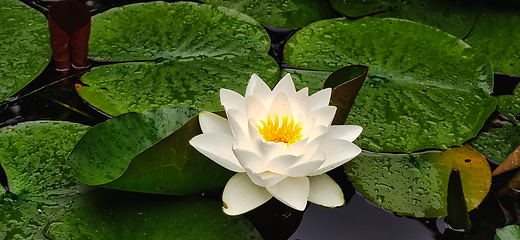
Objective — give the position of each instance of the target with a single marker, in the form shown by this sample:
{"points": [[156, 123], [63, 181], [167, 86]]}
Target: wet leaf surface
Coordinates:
{"points": [[454, 17], [498, 143], [25, 49], [511, 232], [195, 50], [416, 184], [425, 88], [314, 80], [497, 34], [147, 152], [509, 105], [282, 14], [103, 215], [33, 155]]}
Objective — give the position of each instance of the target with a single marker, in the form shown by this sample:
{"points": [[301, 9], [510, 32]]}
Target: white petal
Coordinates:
{"points": [[217, 147], [213, 123], [308, 125], [304, 169], [239, 127], [268, 150], [324, 115], [296, 148], [319, 99], [337, 152], [298, 102], [264, 179], [316, 132], [232, 100], [257, 87], [285, 85], [280, 106], [344, 132], [292, 191], [325, 191], [281, 163], [255, 108], [241, 195], [250, 160], [253, 130]]}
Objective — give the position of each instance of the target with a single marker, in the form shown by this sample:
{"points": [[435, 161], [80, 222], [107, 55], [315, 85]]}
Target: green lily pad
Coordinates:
{"points": [[416, 184], [499, 142], [33, 155], [282, 14], [425, 88], [509, 105], [195, 50], [497, 34], [25, 50], [454, 17], [147, 152], [511, 232], [102, 214]]}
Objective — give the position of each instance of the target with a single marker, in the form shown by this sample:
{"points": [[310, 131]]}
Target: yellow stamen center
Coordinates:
{"points": [[285, 132]]}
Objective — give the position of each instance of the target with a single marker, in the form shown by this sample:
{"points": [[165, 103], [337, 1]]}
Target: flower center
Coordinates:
{"points": [[285, 131]]}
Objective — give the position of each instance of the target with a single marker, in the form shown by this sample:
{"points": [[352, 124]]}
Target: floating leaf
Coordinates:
{"points": [[454, 17], [33, 155], [511, 232], [510, 163], [282, 14], [425, 88], [147, 152], [416, 184], [190, 51], [102, 214], [25, 49], [497, 34], [509, 105], [498, 143]]}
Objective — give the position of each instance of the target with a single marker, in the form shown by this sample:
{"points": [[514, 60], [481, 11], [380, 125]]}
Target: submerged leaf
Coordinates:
{"points": [[102, 214], [416, 184]]}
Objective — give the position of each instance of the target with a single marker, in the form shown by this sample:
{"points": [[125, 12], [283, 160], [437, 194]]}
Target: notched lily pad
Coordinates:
{"points": [[453, 17], [416, 184], [282, 14], [147, 152], [103, 215], [195, 50], [33, 155], [425, 88], [25, 50]]}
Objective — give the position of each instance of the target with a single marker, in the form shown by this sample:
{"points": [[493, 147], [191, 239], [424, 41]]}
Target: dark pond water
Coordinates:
{"points": [[52, 96]]}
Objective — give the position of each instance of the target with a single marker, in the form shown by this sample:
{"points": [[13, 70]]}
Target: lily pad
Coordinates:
{"points": [[184, 53], [33, 155], [454, 17], [103, 215], [416, 184], [282, 14], [499, 142], [497, 34], [147, 152], [302, 78], [425, 88], [511, 232], [25, 50], [509, 105]]}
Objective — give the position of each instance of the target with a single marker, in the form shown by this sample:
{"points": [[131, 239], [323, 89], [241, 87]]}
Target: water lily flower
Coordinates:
{"points": [[280, 143]]}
